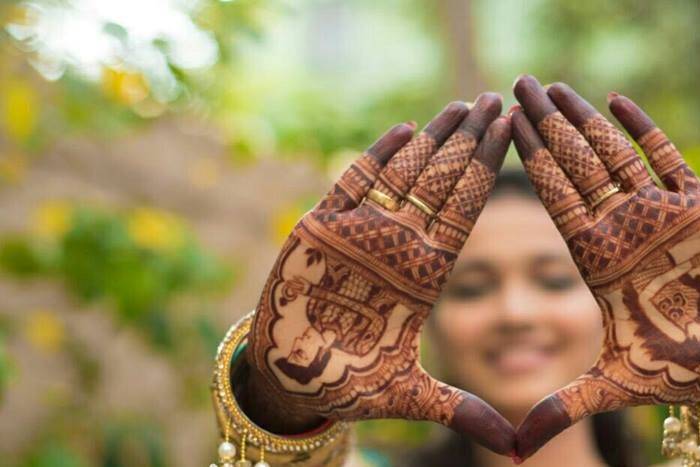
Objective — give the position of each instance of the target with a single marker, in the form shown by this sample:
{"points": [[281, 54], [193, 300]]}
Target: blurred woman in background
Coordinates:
{"points": [[519, 322]]}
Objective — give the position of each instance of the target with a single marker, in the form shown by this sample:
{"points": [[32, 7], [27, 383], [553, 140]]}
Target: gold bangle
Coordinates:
{"points": [[382, 199], [420, 204], [232, 420], [604, 196]]}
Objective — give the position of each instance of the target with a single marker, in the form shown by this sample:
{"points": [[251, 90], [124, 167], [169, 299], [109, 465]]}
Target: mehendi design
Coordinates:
{"points": [[337, 329], [639, 253], [351, 313], [652, 329], [439, 177], [576, 157], [616, 152], [402, 170]]}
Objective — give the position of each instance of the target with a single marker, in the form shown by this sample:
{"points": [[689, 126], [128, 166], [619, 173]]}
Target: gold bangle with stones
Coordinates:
{"points": [[329, 441]]}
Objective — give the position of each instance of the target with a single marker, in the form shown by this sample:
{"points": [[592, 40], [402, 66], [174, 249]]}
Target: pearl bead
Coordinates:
{"points": [[689, 446], [227, 451], [213, 465], [696, 451], [228, 464], [261, 464], [672, 425]]}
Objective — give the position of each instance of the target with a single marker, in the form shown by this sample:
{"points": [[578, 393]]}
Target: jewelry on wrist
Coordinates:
{"points": [[331, 438], [680, 439]]}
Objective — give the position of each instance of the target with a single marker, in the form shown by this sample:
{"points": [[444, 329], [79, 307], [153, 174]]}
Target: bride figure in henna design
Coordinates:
{"points": [[637, 246], [337, 328], [338, 318]]}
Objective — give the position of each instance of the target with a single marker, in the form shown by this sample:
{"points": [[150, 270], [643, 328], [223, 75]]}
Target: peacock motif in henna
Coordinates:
{"points": [[337, 328], [636, 244]]}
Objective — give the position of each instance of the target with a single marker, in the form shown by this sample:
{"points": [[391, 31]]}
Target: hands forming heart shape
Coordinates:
{"points": [[337, 328]]}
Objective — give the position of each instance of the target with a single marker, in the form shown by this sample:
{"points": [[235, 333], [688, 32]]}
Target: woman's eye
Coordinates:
{"points": [[467, 291], [557, 283]]}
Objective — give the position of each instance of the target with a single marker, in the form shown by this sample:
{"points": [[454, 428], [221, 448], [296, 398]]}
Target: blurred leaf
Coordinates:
{"points": [[54, 454], [139, 262], [133, 443], [5, 367], [19, 257]]}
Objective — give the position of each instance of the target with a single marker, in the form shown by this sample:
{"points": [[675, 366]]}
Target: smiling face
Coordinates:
{"points": [[516, 319]]}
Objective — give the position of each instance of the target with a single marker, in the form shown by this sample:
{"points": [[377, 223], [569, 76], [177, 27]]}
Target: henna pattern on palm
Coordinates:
{"points": [[337, 328], [638, 250]]}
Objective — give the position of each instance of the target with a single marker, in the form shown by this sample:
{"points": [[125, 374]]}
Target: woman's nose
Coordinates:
{"points": [[518, 301]]}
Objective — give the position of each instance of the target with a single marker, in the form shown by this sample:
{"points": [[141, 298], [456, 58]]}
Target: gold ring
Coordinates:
{"points": [[420, 204], [605, 196], [382, 199]]}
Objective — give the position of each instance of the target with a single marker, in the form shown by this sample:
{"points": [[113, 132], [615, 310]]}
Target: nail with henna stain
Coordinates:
{"points": [[612, 95]]}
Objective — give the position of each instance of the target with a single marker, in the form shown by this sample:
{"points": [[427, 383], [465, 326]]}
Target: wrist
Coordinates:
{"points": [[267, 407], [243, 437]]}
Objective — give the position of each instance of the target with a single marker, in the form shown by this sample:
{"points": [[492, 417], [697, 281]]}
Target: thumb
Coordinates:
{"points": [[587, 395], [459, 410]]}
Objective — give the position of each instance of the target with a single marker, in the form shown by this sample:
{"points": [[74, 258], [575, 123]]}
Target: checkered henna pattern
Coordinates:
{"points": [[337, 328], [639, 252]]}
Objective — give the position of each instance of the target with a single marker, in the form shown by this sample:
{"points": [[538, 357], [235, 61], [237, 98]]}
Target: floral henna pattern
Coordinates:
{"points": [[337, 328], [364, 301], [639, 252]]}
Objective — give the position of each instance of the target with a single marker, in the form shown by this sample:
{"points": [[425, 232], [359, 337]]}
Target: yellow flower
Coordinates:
{"points": [[124, 86], [20, 109], [52, 218], [45, 331], [284, 221], [156, 230]]}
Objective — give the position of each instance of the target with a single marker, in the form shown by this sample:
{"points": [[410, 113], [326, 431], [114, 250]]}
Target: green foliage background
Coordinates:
{"points": [[310, 82]]}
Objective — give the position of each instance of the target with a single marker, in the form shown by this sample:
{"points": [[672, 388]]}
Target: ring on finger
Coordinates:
{"points": [[420, 204], [382, 199], [605, 196]]}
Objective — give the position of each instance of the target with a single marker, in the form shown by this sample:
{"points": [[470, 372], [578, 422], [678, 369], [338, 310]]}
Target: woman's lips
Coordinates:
{"points": [[517, 360]]}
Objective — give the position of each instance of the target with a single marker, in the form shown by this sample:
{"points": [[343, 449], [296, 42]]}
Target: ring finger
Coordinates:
{"points": [[402, 170], [568, 147]]}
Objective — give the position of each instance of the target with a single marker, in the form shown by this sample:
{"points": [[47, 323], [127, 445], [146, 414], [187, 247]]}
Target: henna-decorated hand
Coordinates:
{"points": [[638, 249], [337, 328]]}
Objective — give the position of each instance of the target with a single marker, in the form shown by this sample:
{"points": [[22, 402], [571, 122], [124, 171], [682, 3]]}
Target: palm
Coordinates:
{"points": [[338, 324], [638, 248], [649, 296], [358, 284]]}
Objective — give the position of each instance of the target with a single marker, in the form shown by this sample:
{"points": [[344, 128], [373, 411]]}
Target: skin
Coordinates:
{"points": [[521, 319], [370, 274], [637, 249], [338, 325], [516, 312]]}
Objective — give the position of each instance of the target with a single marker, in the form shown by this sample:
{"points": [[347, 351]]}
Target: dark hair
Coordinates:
{"points": [[304, 374], [513, 181], [614, 438]]}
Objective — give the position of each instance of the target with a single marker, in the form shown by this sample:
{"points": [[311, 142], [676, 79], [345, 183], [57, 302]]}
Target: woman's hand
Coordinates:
{"points": [[337, 329], [637, 247]]}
